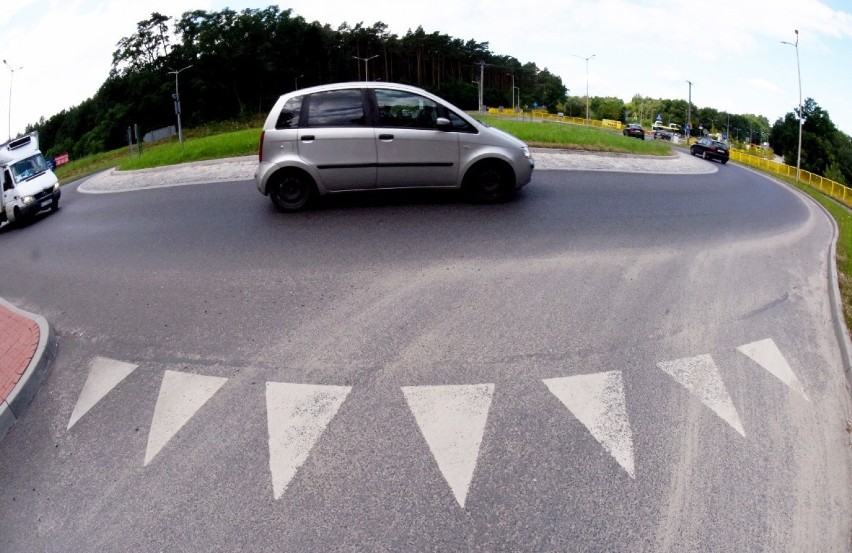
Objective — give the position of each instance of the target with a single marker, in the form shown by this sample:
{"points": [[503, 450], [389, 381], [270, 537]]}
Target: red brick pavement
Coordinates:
{"points": [[18, 343]]}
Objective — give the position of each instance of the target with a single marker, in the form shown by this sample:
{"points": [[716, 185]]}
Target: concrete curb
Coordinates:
{"points": [[840, 330], [25, 390]]}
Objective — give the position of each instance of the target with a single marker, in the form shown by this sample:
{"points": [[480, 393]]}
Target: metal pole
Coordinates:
{"points": [[513, 93], [801, 115], [365, 60], [177, 102], [11, 79], [689, 113], [587, 82]]}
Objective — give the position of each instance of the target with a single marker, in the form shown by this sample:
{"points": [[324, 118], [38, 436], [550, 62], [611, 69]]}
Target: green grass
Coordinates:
{"points": [[549, 134], [230, 144]]}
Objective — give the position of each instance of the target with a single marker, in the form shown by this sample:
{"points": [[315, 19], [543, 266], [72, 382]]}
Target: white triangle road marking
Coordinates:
{"points": [[766, 354], [597, 400], [297, 414], [181, 396], [700, 376], [104, 375], [452, 420]]}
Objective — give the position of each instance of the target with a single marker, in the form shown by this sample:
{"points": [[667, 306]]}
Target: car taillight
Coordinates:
{"points": [[260, 149]]}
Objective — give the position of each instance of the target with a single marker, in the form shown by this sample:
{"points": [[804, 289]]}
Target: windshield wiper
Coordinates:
{"points": [[31, 177]]}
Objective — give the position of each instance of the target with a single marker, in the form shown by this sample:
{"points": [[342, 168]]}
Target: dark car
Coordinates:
{"points": [[635, 130], [710, 149], [663, 135]]}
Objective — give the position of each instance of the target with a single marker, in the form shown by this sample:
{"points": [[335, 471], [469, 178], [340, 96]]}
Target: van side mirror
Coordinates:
{"points": [[443, 123]]}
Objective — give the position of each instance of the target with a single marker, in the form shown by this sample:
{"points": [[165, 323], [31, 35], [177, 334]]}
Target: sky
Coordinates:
{"points": [[59, 52]]}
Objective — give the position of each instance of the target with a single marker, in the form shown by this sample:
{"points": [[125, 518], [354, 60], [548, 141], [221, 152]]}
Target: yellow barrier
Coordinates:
{"points": [[829, 187], [545, 116]]}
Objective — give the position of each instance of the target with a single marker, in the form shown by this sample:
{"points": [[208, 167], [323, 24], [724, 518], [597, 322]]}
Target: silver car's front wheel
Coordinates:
{"points": [[489, 182], [291, 190]]}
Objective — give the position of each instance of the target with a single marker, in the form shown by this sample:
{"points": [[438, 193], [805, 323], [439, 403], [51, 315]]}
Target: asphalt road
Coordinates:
{"points": [[610, 362]]}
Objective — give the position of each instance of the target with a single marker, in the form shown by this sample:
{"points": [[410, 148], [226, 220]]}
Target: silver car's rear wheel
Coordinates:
{"points": [[291, 190]]}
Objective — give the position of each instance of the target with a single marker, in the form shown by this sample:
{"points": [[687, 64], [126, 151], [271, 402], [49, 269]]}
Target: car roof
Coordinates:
{"points": [[358, 84]]}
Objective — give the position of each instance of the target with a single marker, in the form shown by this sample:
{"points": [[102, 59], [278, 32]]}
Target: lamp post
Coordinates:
{"points": [[513, 92], [587, 82], [177, 101], [11, 78], [365, 60], [689, 114], [801, 115]]}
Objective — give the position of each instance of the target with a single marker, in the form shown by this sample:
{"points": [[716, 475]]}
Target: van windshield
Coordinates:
{"points": [[28, 168]]}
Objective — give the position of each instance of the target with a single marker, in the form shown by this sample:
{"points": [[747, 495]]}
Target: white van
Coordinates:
{"points": [[29, 185]]}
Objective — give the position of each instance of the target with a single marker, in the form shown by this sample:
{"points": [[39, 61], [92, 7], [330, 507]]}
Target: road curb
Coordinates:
{"points": [[25, 390], [841, 332]]}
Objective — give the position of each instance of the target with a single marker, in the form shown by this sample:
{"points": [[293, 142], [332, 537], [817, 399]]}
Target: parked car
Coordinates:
{"points": [[663, 135], [635, 130], [377, 135], [710, 149]]}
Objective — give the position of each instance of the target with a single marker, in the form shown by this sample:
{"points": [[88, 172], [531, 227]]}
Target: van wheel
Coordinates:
{"points": [[54, 205], [17, 217], [292, 191], [489, 182]]}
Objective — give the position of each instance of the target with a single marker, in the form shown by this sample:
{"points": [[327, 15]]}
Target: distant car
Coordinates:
{"points": [[380, 135], [635, 130], [710, 149], [663, 135]]}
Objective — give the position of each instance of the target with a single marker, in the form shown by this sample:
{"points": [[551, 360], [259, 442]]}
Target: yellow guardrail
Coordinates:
{"points": [[832, 188], [545, 116]]}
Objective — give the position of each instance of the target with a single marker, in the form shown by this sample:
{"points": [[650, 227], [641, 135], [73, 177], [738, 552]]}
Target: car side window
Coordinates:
{"points": [[336, 108], [459, 124], [398, 108], [290, 114]]}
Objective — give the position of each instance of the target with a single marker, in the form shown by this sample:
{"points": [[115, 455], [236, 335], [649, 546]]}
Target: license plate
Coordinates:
{"points": [[45, 203]]}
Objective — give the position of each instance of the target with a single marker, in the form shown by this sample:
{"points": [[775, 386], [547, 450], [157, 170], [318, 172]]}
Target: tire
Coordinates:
{"points": [[54, 205], [292, 191], [724, 161], [489, 182]]}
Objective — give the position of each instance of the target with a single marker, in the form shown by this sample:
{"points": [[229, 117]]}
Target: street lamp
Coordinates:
{"points": [[513, 92], [587, 82], [801, 115], [365, 60], [11, 78], [177, 102]]}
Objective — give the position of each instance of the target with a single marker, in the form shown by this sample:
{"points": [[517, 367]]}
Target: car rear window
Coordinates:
{"points": [[336, 108], [290, 114]]}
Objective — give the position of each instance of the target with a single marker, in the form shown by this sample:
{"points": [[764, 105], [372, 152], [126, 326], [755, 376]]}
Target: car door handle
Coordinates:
{"points": [[385, 137], [308, 138]]}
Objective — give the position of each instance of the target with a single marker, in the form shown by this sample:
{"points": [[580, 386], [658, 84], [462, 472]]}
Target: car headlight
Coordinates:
{"points": [[526, 151], [56, 186], [27, 200]]}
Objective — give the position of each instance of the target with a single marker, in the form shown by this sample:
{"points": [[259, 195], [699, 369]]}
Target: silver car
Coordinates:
{"points": [[375, 135]]}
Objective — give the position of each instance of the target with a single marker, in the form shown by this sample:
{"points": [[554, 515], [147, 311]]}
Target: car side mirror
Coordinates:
{"points": [[443, 123]]}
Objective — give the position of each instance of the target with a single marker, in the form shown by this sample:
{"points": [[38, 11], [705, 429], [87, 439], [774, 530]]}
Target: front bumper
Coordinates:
{"points": [[42, 202]]}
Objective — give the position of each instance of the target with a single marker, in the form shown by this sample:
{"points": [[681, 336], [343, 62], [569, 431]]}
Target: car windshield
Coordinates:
{"points": [[29, 167]]}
